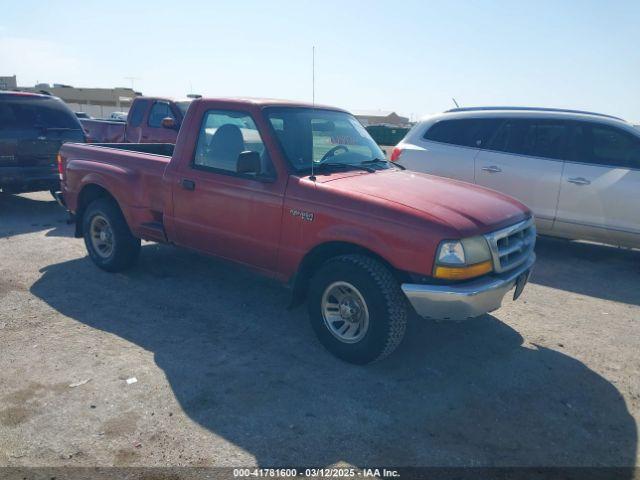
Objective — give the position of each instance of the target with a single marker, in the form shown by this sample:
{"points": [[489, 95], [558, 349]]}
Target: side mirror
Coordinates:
{"points": [[168, 122], [248, 162]]}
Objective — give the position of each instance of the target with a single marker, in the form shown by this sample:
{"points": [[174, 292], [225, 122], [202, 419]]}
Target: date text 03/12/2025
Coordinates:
{"points": [[315, 473]]}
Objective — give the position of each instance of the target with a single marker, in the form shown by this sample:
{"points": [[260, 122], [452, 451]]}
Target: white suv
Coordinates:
{"points": [[578, 171]]}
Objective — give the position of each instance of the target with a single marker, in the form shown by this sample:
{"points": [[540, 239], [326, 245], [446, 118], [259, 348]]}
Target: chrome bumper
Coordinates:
{"points": [[464, 300]]}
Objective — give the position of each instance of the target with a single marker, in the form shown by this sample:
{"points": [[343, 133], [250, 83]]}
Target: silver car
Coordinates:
{"points": [[578, 171]]}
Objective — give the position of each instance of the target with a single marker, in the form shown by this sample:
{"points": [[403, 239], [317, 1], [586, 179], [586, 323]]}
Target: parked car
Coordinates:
{"points": [[118, 116], [32, 129], [578, 171], [387, 135], [303, 194], [150, 120], [84, 115]]}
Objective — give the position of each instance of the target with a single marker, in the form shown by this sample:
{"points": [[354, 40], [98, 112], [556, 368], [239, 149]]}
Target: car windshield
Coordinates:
{"points": [[324, 137]]}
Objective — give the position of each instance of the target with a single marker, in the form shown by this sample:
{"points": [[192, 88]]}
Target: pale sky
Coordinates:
{"points": [[407, 56]]}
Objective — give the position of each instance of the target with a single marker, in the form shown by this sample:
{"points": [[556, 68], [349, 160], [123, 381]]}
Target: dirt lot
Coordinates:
{"points": [[227, 376]]}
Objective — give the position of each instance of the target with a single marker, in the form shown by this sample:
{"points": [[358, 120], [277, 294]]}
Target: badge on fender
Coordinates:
{"points": [[306, 216]]}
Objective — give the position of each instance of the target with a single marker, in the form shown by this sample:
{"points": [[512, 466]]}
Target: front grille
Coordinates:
{"points": [[512, 246]]}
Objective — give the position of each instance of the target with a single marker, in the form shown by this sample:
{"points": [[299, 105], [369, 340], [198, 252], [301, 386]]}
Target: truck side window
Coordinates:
{"points": [[223, 136], [159, 111], [137, 112]]}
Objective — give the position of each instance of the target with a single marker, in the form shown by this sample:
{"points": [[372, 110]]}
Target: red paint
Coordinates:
{"points": [[270, 226], [109, 131]]}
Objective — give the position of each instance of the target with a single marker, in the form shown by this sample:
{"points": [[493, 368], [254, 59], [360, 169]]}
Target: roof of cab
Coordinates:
{"points": [[269, 102]]}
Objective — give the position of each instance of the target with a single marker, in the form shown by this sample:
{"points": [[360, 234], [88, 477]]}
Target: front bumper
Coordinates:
{"points": [[465, 300]]}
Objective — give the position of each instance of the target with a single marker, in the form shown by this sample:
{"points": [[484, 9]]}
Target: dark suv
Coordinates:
{"points": [[32, 129]]}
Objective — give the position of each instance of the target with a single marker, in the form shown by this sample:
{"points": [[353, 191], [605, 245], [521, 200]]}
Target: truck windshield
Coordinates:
{"points": [[183, 106], [324, 137]]}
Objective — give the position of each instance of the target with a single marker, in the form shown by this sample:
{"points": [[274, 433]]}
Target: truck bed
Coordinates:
{"points": [[131, 172], [165, 149], [103, 130]]}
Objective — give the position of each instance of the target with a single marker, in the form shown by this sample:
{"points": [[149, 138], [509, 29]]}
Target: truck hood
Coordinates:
{"points": [[467, 208]]}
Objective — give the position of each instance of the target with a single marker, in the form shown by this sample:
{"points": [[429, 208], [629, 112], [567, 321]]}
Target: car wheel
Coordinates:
{"points": [[110, 243], [357, 309]]}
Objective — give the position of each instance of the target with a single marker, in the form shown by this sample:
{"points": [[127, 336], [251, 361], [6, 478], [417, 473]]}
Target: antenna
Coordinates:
{"points": [[313, 96], [313, 75], [456, 103], [132, 79]]}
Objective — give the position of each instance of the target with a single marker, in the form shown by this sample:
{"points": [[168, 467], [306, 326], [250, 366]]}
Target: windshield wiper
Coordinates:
{"points": [[381, 160], [344, 166]]}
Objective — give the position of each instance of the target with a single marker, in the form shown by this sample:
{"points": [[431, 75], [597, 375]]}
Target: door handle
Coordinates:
{"points": [[492, 169], [188, 184], [579, 181]]}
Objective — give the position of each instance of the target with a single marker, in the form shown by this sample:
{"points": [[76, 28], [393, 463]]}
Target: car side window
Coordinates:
{"points": [[472, 132], [223, 136], [536, 138], [137, 112], [160, 111], [605, 145]]}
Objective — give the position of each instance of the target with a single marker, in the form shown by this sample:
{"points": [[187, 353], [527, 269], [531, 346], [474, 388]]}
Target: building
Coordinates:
{"points": [[97, 102], [8, 83], [380, 117]]}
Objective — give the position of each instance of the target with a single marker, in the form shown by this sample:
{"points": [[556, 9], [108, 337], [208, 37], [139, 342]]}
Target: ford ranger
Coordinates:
{"points": [[302, 193], [150, 120]]}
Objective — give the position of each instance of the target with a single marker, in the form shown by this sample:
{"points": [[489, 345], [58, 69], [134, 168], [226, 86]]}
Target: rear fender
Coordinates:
{"points": [[117, 183]]}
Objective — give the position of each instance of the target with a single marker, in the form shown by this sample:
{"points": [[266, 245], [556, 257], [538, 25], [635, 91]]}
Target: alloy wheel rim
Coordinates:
{"points": [[345, 312], [101, 236]]}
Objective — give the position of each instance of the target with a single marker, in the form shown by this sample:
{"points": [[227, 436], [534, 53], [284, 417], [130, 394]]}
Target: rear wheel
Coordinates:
{"points": [[357, 309], [110, 243]]}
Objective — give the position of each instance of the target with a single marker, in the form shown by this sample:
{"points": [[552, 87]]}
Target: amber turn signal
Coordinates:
{"points": [[462, 273]]}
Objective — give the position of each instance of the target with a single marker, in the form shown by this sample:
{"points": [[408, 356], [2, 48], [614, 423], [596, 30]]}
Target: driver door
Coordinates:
{"points": [[220, 211], [600, 190]]}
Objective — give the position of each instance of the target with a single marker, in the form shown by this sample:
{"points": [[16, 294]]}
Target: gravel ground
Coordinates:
{"points": [[227, 376]]}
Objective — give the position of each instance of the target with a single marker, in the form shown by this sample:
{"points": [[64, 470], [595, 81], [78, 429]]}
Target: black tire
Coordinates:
{"points": [[386, 304], [125, 247]]}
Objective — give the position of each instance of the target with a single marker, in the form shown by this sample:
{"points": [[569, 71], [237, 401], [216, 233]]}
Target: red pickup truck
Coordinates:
{"points": [[303, 194], [150, 120]]}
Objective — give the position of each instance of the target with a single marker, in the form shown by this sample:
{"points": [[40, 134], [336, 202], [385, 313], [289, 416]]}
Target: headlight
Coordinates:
{"points": [[462, 259], [451, 253]]}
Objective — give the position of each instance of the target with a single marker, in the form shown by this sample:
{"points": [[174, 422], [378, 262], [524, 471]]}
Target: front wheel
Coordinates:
{"points": [[357, 309], [110, 243]]}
